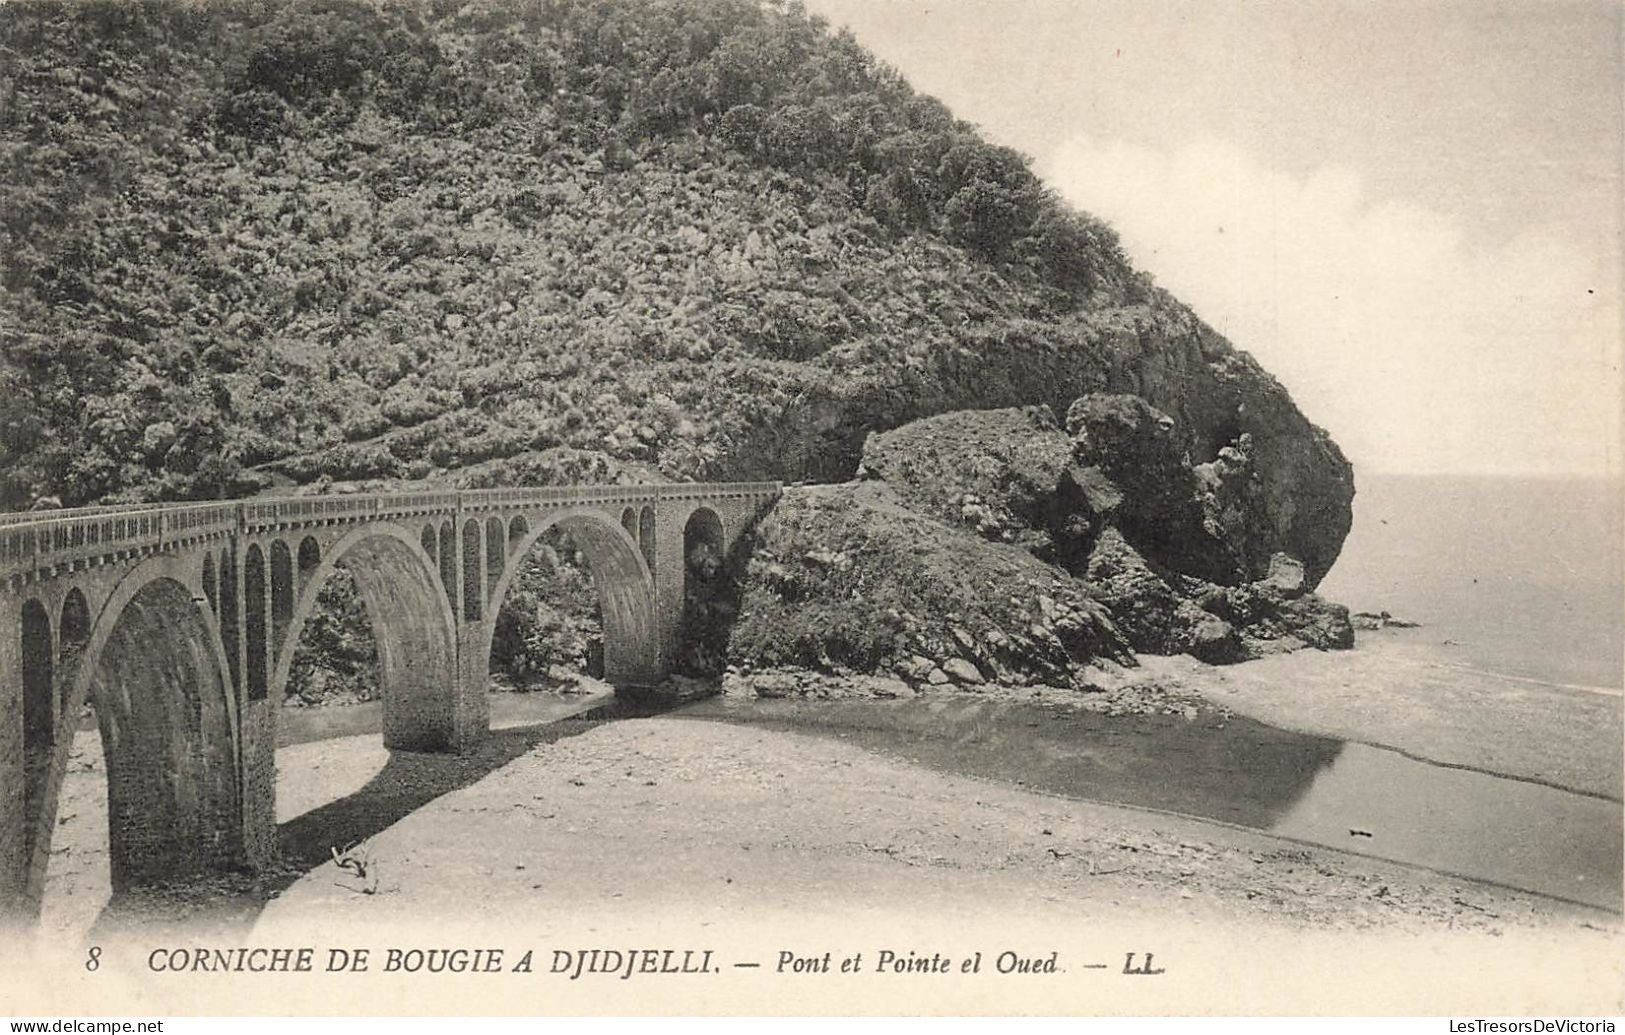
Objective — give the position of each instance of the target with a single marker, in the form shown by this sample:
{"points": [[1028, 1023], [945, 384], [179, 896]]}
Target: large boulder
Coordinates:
{"points": [[1008, 475], [1270, 618], [847, 579], [1157, 611], [1185, 557], [1014, 475], [1163, 612], [1140, 600]]}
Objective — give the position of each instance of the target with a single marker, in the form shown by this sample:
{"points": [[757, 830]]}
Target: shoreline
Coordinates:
{"points": [[426, 808], [1422, 869], [1390, 693], [672, 833], [699, 829], [587, 777]]}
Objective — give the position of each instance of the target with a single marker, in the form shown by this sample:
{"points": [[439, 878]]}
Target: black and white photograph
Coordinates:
{"points": [[811, 508]]}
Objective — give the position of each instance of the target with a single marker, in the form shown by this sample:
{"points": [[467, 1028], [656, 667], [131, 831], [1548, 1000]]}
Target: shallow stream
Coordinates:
{"points": [[1344, 795]]}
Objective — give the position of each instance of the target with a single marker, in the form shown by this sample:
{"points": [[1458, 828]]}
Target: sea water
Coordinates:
{"points": [[1516, 576]]}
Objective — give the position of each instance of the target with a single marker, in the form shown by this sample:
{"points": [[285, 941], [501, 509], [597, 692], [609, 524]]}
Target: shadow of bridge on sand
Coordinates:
{"points": [[229, 904]]}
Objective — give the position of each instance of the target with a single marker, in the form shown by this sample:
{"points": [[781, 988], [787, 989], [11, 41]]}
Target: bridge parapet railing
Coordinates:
{"points": [[293, 510], [38, 539], [716, 490], [409, 504], [551, 495], [297, 510], [546, 495], [28, 517], [59, 537]]}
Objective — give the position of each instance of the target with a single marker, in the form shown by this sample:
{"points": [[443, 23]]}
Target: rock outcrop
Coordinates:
{"points": [[1013, 475], [1284, 486], [1008, 475], [1188, 557], [846, 579]]}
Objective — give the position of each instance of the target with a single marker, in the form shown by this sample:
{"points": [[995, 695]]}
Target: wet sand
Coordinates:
{"points": [[1209, 763]]}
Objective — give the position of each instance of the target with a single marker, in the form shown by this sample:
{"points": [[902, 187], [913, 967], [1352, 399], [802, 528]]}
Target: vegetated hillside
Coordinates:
{"points": [[274, 246], [253, 243]]}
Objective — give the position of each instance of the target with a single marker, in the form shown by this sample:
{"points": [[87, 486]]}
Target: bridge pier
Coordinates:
{"points": [[259, 736], [13, 828], [470, 706], [670, 578], [258, 709]]}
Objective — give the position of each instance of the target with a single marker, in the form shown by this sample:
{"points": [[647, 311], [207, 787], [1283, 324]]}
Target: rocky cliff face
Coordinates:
{"points": [[1274, 481], [1015, 475], [1219, 433], [992, 546], [1187, 555]]}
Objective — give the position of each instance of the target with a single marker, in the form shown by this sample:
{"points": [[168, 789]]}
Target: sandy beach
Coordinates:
{"points": [[697, 828]]}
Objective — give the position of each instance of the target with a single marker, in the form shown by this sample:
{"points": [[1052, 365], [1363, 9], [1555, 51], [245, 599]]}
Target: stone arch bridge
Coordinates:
{"points": [[179, 623]]}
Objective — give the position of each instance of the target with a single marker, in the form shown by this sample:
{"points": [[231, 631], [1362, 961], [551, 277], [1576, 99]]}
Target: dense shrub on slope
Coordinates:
{"points": [[336, 659], [299, 232], [550, 619], [289, 241], [278, 244]]}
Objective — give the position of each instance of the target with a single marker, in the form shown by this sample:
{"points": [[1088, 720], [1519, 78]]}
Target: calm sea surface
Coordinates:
{"points": [[1517, 576]]}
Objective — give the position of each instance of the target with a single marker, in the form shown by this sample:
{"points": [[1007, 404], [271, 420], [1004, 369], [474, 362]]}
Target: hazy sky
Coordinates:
{"points": [[1409, 212]]}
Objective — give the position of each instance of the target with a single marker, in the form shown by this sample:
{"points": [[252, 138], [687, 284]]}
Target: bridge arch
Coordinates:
{"points": [[258, 643], [211, 582], [704, 527], [230, 618], [473, 573], [73, 633], [710, 595], [155, 668], [620, 575], [310, 555], [412, 624], [496, 549], [282, 589], [38, 664], [447, 555]]}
